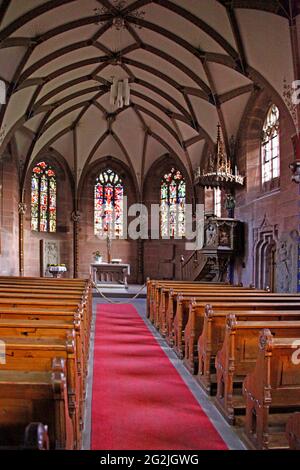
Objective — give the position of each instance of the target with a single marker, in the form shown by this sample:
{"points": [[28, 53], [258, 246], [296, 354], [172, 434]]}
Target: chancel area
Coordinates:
{"points": [[149, 225]]}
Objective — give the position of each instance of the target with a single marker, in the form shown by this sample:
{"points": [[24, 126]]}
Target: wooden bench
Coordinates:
{"points": [[35, 438], [41, 319], [53, 304], [168, 303], [187, 340], [212, 338], [29, 396], [161, 301], [43, 280], [292, 431], [272, 392], [237, 358], [37, 354], [16, 328], [50, 309], [154, 291], [13, 287], [178, 308]]}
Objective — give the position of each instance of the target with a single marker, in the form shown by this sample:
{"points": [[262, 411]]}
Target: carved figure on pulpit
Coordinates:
{"points": [[224, 237], [211, 234]]}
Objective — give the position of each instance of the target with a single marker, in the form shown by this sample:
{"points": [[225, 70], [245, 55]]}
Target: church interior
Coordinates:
{"points": [[149, 225]]}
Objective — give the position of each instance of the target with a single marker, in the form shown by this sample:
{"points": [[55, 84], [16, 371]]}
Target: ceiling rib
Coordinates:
{"points": [[233, 57]]}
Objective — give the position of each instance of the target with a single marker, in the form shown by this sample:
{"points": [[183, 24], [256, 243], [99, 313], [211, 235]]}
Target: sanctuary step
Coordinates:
{"points": [[120, 292]]}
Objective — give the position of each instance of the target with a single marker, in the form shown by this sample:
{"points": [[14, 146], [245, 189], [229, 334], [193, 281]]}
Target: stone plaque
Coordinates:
{"points": [[50, 254]]}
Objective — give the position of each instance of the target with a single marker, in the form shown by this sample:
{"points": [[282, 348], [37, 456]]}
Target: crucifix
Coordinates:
{"points": [[108, 246]]}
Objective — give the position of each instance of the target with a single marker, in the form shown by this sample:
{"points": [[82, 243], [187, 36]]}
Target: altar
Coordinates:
{"points": [[110, 274]]}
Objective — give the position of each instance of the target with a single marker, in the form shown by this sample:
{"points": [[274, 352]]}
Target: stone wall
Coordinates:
{"points": [[275, 212], [34, 241], [9, 218], [162, 257], [271, 218], [127, 250]]}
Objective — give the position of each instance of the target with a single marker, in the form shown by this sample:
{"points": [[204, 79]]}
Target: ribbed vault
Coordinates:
{"points": [[191, 64]]}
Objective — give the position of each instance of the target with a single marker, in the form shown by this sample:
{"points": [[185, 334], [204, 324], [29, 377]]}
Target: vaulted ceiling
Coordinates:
{"points": [[191, 64]]}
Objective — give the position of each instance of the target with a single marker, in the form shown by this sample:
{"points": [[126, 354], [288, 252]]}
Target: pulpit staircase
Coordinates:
{"points": [[223, 240], [199, 267]]}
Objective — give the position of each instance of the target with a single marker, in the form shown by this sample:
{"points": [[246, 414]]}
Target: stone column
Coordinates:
{"points": [[76, 219], [22, 210]]}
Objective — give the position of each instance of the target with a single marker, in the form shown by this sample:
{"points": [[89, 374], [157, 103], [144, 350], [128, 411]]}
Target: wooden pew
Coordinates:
{"points": [[272, 392], [37, 354], [36, 437], [292, 431], [51, 304], [16, 328], [186, 341], [43, 316], [179, 302], [237, 358], [50, 307], [154, 291], [153, 284], [161, 299], [27, 323], [48, 285], [26, 396], [69, 312], [168, 303], [45, 323], [43, 280], [212, 338]]}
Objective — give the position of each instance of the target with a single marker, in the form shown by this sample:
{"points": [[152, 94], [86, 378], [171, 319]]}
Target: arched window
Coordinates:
{"points": [[43, 198], [270, 146], [108, 204], [172, 204]]}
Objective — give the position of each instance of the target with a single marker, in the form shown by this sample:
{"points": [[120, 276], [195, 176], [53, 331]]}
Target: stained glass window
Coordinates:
{"points": [[43, 198], [270, 145], [108, 204], [172, 205]]}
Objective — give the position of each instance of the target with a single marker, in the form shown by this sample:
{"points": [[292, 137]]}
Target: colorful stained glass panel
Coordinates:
{"points": [[108, 204], [43, 198], [172, 205]]}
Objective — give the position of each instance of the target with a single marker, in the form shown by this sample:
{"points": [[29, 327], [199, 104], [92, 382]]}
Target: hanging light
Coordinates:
{"points": [[219, 172], [120, 93], [2, 92], [126, 90], [113, 92]]}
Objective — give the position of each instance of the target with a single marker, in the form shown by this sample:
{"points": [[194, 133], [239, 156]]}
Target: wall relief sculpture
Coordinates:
{"points": [[286, 262], [50, 255], [265, 244]]}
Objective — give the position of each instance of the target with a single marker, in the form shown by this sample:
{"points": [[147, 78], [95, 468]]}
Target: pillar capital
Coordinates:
{"points": [[22, 208], [75, 216]]}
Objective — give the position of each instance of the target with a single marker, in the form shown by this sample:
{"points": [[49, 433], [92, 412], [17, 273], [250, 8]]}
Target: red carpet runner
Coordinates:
{"points": [[139, 399]]}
